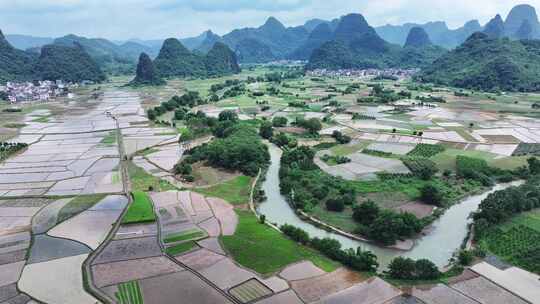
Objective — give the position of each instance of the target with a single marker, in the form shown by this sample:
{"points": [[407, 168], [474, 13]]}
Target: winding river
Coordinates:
{"points": [[446, 235]]}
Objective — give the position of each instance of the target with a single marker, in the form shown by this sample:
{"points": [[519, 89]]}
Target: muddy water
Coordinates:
{"points": [[446, 235]]}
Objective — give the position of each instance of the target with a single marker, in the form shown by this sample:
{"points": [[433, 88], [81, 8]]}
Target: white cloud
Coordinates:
{"points": [[122, 19]]}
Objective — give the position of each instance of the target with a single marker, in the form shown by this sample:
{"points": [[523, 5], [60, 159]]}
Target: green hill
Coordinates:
{"points": [[356, 45], [220, 61], [67, 63], [175, 60], [488, 64], [15, 65], [146, 73]]}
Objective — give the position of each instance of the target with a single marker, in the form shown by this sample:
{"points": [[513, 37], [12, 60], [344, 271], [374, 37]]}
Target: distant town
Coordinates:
{"points": [[365, 73], [18, 92]]}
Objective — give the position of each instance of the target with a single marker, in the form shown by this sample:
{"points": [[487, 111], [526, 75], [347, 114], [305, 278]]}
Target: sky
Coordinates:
{"points": [[157, 19]]}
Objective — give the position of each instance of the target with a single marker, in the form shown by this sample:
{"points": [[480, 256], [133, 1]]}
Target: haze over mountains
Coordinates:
{"points": [[345, 42]]}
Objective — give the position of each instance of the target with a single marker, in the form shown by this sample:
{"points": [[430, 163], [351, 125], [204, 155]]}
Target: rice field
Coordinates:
{"points": [[129, 293]]}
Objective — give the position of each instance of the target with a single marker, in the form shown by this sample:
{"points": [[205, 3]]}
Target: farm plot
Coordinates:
{"points": [[394, 148], [373, 290], [485, 291], [364, 167], [317, 288], [64, 272], [440, 294]]}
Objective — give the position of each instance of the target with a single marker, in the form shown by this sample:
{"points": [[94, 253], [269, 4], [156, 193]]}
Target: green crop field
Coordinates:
{"points": [[236, 191], [265, 250], [78, 205], [180, 248], [517, 241], [129, 293], [140, 211], [184, 236]]}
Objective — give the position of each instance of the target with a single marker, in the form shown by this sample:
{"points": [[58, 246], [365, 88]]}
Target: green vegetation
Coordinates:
{"points": [[78, 205], [7, 149], [140, 210], [489, 64], [15, 65], [240, 148], [110, 139], [236, 191], [265, 250], [67, 63], [129, 293], [184, 236], [408, 269], [146, 73], [143, 181], [507, 223], [355, 44], [308, 187], [426, 150], [175, 60], [181, 248]]}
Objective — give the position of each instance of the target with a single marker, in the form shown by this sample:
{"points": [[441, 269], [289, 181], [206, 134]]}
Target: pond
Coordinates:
{"points": [[445, 237]]}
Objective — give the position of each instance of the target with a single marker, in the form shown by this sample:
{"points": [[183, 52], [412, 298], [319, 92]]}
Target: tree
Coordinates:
{"points": [[366, 212], [183, 168], [534, 165], [431, 194], [228, 115], [151, 114], [335, 204], [266, 130], [426, 270], [402, 268], [179, 114], [465, 257], [279, 121]]}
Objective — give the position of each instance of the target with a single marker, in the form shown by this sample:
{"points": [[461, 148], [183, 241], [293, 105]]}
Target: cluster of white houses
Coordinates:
{"points": [[17, 92], [363, 73]]}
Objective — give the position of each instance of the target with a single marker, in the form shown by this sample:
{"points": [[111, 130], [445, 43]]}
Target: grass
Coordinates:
{"points": [[184, 236], [129, 293], [343, 220], [141, 210], [180, 248], [235, 191], [142, 181], [110, 139], [344, 150], [447, 159], [78, 205], [265, 250], [15, 125], [42, 119]]}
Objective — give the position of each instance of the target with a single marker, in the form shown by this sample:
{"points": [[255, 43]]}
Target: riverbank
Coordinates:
{"points": [[447, 232]]}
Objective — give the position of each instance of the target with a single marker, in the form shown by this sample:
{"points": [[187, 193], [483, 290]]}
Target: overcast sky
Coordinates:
{"points": [[149, 19]]}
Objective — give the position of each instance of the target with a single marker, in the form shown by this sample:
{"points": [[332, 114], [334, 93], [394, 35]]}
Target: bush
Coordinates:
{"points": [[431, 194], [335, 204], [366, 213], [279, 122], [465, 257], [402, 268]]}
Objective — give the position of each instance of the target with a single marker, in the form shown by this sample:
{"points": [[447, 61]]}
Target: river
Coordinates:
{"points": [[446, 234]]}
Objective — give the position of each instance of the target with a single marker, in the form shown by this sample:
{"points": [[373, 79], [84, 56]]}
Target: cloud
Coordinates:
{"points": [[231, 6], [148, 19]]}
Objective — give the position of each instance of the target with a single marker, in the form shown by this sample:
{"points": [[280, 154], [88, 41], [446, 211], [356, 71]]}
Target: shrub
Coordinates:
{"points": [[431, 194], [335, 204]]}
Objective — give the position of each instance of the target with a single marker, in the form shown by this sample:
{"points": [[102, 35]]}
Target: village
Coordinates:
{"points": [[19, 92], [363, 73]]}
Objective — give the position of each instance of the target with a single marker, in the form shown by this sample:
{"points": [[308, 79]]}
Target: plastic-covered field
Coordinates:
{"points": [[441, 294], [371, 291]]}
